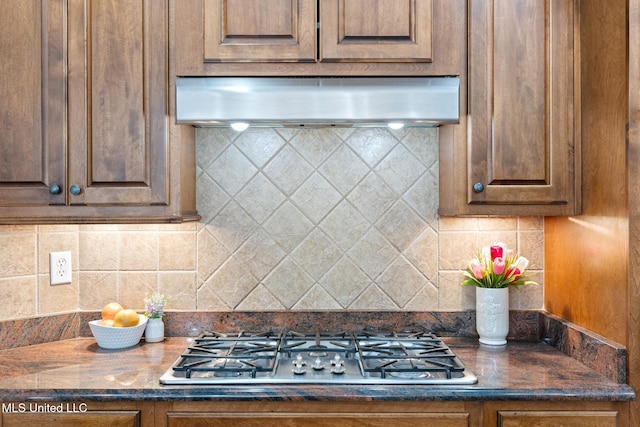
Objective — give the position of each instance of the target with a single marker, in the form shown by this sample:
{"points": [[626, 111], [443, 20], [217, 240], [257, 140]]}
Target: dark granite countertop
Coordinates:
{"points": [[77, 369]]}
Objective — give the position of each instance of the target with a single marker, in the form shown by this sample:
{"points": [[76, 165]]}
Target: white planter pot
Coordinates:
{"points": [[492, 315], [154, 331]]}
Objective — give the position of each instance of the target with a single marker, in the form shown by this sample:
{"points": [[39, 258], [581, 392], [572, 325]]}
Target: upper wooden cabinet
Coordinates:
{"points": [[521, 155], [259, 30], [32, 112], [88, 129], [243, 37], [376, 30]]}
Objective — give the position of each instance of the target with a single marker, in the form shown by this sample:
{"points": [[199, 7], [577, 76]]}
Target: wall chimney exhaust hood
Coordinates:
{"points": [[317, 101]]}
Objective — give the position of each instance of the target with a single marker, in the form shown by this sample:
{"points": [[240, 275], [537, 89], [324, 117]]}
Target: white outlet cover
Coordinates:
{"points": [[59, 267]]}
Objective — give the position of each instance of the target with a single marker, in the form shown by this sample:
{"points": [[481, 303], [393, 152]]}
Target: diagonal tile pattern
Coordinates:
{"points": [[325, 218]]}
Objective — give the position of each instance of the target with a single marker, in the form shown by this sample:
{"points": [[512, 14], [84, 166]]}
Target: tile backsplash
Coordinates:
{"points": [[292, 219]]}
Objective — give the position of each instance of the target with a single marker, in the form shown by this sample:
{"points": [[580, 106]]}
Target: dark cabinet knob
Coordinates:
{"points": [[54, 189], [74, 189], [478, 187]]}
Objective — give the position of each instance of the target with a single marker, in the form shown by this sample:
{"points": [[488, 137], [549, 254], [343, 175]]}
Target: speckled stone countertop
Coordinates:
{"points": [[71, 369]]}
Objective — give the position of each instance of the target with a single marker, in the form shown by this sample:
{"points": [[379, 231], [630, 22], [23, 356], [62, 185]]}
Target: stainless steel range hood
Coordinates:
{"points": [[317, 101]]}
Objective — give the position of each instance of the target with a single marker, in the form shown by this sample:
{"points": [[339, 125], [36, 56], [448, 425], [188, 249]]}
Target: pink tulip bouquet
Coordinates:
{"points": [[497, 267]]}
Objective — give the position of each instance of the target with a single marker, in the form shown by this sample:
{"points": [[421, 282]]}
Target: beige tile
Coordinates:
{"points": [[401, 281], [181, 286], [211, 254], [497, 224], [456, 249], [209, 300], [345, 282], [18, 296], [425, 299], [177, 251], [260, 299], [138, 251], [231, 283], [454, 296], [96, 289], [423, 253], [57, 298], [531, 246], [531, 223], [98, 251], [18, 253], [288, 283], [133, 286], [317, 299], [373, 298], [458, 224]]}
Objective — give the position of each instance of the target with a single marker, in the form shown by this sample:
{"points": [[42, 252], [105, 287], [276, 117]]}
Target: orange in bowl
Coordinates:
{"points": [[126, 318], [110, 310]]}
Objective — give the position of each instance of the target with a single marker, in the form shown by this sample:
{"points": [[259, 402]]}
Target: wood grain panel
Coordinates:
{"points": [[317, 420], [376, 30], [633, 187], [259, 30], [586, 257], [116, 77], [32, 90], [558, 419], [520, 150]]}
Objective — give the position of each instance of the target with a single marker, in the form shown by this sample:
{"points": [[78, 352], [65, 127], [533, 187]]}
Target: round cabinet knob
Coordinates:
{"points": [[478, 187], [54, 189], [74, 189]]}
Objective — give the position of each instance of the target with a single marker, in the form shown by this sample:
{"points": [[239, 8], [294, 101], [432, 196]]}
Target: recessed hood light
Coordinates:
{"points": [[317, 101]]}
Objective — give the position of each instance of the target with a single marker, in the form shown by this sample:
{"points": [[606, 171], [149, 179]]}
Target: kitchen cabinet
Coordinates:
{"points": [[521, 152], [35, 414], [401, 414], [397, 413], [309, 37], [557, 414], [89, 133], [285, 30]]}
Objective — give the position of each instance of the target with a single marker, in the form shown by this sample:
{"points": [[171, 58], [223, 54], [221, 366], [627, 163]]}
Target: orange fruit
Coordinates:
{"points": [[126, 318], [107, 322], [109, 311]]}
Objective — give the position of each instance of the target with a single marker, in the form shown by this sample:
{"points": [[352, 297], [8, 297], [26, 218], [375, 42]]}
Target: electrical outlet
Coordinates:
{"points": [[59, 267]]}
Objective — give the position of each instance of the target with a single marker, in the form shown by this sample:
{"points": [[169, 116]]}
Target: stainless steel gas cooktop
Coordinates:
{"points": [[317, 358]]}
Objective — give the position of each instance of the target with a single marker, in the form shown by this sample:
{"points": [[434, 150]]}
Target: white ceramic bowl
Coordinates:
{"points": [[114, 338]]}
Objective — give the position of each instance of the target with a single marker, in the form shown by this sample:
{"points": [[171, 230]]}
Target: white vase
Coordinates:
{"points": [[154, 331], [492, 315]]}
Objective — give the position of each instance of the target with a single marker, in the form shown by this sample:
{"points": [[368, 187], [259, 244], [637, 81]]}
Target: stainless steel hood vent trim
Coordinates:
{"points": [[317, 101]]}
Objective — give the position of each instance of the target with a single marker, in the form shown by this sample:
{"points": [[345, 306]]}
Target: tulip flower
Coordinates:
{"points": [[477, 267], [496, 252], [498, 265]]}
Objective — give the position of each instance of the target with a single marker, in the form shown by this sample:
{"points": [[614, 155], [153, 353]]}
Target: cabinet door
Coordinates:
{"points": [[32, 110], [259, 30], [318, 420], [521, 141], [118, 94], [95, 419], [557, 418], [376, 30]]}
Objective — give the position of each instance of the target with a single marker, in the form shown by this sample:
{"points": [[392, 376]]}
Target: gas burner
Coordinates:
{"points": [[317, 358]]}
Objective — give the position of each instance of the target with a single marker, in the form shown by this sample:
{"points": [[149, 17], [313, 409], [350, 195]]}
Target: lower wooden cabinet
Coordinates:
{"points": [[319, 414], [71, 414], [558, 414]]}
